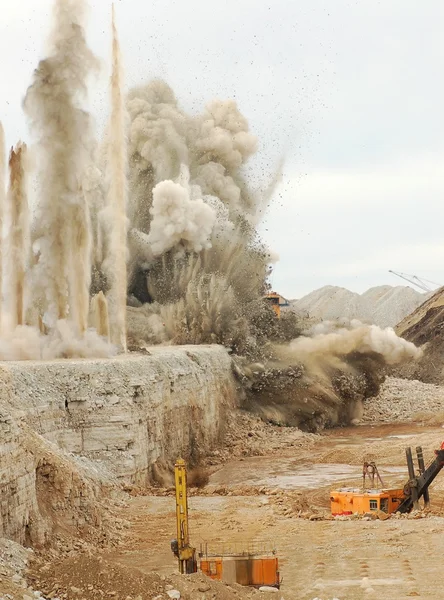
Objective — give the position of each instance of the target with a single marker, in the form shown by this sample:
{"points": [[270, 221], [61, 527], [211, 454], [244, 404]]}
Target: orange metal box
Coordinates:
{"points": [[244, 570], [354, 501]]}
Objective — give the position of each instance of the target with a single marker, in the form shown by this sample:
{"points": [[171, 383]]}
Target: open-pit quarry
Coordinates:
{"points": [[87, 505], [134, 330]]}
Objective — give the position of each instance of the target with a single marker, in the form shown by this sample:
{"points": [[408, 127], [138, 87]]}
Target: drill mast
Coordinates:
{"points": [[185, 553]]}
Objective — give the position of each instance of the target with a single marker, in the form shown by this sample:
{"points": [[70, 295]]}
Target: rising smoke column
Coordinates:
{"points": [[53, 104], [18, 235], [194, 251], [2, 204], [99, 310], [115, 265]]}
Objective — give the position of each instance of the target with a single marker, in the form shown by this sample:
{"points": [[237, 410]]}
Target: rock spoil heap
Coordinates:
{"points": [[406, 400], [383, 305]]}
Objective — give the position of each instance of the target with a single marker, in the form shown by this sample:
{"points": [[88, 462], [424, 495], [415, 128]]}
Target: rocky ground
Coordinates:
{"points": [[99, 577], [266, 485], [402, 400], [278, 501]]}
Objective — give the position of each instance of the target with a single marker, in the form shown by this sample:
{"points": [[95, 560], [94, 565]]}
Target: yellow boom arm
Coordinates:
{"points": [[181, 546]]}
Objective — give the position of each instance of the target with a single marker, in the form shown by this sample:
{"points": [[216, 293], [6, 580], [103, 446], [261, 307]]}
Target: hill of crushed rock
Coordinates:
{"points": [[384, 305]]}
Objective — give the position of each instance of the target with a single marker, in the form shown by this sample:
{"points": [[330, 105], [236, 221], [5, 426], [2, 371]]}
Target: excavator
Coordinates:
{"points": [[249, 568], [348, 501]]}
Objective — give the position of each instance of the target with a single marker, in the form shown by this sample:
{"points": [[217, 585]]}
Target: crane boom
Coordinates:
{"points": [[415, 280], [418, 485]]}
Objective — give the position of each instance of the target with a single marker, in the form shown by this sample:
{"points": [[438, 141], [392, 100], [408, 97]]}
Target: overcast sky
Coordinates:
{"points": [[351, 92]]}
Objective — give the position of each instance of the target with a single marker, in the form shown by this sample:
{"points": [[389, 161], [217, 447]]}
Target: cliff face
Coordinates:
{"points": [[121, 416], [425, 327]]}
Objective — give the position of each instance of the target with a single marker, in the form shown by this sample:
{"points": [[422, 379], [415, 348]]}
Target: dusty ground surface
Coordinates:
{"points": [[265, 487], [267, 502]]}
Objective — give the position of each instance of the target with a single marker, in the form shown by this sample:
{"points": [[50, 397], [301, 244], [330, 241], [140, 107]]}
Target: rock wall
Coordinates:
{"points": [[122, 414]]}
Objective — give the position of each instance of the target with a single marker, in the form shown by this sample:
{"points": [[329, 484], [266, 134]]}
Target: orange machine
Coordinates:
{"points": [[250, 569], [347, 501], [274, 301]]}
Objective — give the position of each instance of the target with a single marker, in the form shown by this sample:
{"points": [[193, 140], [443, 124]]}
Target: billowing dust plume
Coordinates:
{"points": [[2, 204], [54, 106], [17, 247], [319, 381], [115, 264], [195, 261], [329, 341], [58, 277]]}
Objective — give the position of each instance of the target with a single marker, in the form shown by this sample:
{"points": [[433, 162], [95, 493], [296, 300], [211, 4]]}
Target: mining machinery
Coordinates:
{"points": [[181, 546], [423, 284], [274, 300], [246, 566], [348, 501]]}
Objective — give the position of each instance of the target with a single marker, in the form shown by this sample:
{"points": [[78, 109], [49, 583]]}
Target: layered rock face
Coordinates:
{"points": [[120, 415]]}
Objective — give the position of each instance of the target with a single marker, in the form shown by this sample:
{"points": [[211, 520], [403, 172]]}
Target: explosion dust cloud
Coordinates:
{"points": [[2, 204], [151, 239], [17, 248], [360, 338], [53, 105], [117, 163]]}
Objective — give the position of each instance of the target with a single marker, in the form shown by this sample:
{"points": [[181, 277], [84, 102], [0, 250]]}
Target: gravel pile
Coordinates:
{"points": [[14, 561], [94, 578], [406, 400], [384, 305]]}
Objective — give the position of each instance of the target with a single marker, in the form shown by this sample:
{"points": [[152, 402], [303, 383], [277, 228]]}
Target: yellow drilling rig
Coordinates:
{"points": [[249, 567], [181, 547]]}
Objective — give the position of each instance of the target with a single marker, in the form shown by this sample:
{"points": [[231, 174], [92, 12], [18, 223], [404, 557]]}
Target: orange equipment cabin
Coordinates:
{"points": [[254, 570], [276, 301], [349, 501]]}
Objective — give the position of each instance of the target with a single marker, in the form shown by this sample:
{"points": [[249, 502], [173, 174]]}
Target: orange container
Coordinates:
{"points": [[354, 501], [249, 571]]}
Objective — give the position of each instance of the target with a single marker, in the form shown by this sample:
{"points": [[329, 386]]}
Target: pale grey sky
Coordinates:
{"points": [[353, 91]]}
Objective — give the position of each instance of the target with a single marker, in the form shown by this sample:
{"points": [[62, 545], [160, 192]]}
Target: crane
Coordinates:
{"points": [[418, 281]]}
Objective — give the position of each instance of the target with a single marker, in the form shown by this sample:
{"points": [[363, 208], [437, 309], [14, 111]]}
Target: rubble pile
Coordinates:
{"points": [[383, 305], [405, 400], [95, 578]]}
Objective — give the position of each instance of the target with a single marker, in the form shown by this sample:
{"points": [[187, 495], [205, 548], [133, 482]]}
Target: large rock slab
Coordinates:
{"points": [[123, 414]]}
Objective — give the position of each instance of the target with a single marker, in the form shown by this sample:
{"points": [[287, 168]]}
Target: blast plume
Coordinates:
{"points": [[99, 310], [53, 106], [18, 235], [332, 341], [2, 205], [115, 265]]}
